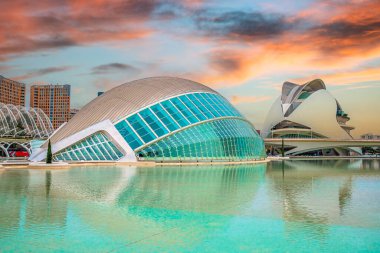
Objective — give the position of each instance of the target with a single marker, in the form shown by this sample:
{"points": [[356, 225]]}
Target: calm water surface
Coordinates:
{"points": [[291, 206]]}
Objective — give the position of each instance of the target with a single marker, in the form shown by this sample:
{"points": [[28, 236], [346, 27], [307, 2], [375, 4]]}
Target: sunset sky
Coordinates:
{"points": [[244, 49]]}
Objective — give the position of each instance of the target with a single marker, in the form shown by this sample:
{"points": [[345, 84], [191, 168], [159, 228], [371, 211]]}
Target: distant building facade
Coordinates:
{"points": [[54, 100], [73, 111], [370, 136], [12, 92]]}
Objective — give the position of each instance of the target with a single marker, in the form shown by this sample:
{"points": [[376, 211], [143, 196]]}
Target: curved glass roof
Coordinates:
{"points": [[170, 115], [126, 99]]}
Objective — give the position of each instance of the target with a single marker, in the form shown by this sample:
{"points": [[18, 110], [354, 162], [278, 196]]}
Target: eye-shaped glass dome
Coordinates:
{"points": [[161, 118]]}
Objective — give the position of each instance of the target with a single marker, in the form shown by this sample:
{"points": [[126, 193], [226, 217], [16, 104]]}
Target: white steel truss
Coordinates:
{"points": [[18, 121]]}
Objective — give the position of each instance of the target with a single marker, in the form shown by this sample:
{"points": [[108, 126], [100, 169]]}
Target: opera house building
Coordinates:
{"points": [[308, 111], [156, 119]]}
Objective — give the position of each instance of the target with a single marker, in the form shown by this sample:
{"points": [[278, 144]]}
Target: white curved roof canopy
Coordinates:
{"points": [[291, 92], [18, 121], [127, 99]]}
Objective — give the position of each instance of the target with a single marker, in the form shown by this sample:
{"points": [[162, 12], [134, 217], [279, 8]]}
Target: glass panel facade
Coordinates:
{"points": [[172, 114], [175, 113], [128, 134], [153, 122], [96, 147], [165, 118], [141, 128], [224, 139]]}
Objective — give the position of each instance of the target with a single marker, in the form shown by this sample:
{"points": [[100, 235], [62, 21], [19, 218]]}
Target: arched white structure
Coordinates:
{"points": [[7, 147], [157, 119], [306, 111], [20, 122]]}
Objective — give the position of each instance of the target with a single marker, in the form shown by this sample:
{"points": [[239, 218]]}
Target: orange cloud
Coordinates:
{"points": [[346, 77], [26, 27], [248, 99], [229, 67], [329, 36], [298, 55], [363, 87]]}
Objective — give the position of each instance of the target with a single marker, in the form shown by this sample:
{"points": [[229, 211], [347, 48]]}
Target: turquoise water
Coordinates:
{"points": [[291, 206]]}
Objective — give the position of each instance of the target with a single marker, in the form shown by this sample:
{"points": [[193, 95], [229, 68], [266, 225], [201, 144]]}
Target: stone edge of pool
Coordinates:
{"points": [[140, 164]]}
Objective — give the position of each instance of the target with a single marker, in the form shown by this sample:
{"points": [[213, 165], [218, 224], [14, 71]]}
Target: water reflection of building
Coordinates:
{"points": [[30, 200], [292, 186], [372, 164], [14, 184], [124, 204], [316, 193], [165, 198], [216, 190]]}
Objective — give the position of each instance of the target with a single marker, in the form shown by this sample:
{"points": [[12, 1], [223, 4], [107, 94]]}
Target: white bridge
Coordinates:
{"points": [[301, 145]]}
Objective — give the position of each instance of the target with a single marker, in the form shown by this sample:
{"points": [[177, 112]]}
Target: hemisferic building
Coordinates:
{"points": [[156, 119]]}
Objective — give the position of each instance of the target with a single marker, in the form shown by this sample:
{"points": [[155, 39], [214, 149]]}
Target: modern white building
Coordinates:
{"points": [[157, 119], [370, 136], [308, 111]]}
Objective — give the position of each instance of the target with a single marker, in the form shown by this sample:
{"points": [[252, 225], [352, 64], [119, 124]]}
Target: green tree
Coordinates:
{"points": [[49, 155]]}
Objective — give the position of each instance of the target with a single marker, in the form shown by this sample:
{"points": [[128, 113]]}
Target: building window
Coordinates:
{"points": [[96, 147]]}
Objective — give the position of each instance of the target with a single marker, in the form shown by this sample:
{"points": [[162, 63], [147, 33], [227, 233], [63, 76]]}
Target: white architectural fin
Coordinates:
{"points": [[285, 107]]}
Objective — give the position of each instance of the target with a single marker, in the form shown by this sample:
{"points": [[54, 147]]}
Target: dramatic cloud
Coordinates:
{"points": [[41, 72], [242, 24], [112, 68], [345, 78], [22, 44], [343, 30], [230, 68], [26, 27], [311, 41]]}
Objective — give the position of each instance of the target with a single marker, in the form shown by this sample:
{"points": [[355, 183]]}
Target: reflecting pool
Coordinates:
{"points": [[290, 206]]}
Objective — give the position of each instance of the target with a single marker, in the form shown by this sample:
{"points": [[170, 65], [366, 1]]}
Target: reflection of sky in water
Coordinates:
{"points": [[293, 205]]}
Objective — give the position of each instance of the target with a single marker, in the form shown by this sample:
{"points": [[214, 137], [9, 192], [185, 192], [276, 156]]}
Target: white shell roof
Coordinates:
{"points": [[127, 99], [317, 112], [290, 91]]}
